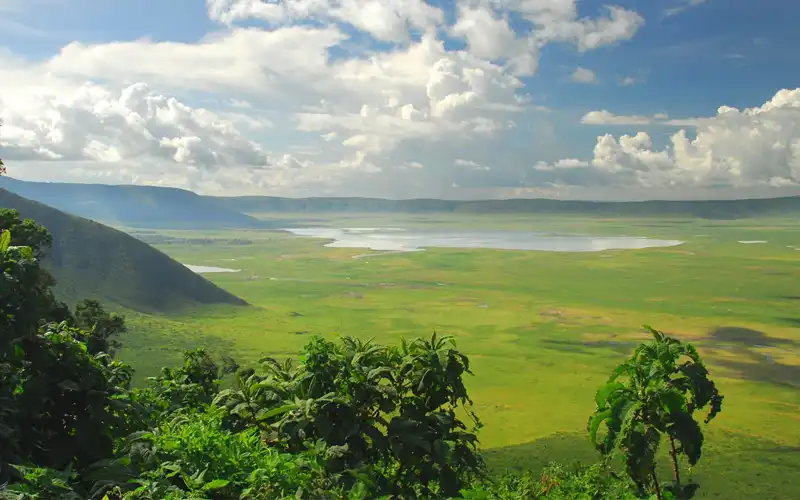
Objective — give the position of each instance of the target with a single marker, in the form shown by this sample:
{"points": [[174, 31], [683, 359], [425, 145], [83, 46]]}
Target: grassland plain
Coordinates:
{"points": [[543, 329]]}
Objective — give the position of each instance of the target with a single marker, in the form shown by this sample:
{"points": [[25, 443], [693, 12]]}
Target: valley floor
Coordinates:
{"points": [[543, 329]]}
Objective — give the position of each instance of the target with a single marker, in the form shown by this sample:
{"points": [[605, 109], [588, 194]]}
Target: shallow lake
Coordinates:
{"points": [[410, 240], [211, 269]]}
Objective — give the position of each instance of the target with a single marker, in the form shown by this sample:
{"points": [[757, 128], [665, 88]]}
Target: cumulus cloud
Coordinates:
{"points": [[93, 124], [750, 147], [356, 96], [583, 75]]}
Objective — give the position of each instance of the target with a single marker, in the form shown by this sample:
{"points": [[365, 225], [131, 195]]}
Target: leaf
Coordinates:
{"points": [[672, 401], [594, 424], [19, 351], [5, 241], [216, 484], [274, 412], [602, 395]]}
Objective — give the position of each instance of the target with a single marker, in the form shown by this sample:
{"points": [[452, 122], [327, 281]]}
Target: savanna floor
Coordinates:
{"points": [[543, 329]]}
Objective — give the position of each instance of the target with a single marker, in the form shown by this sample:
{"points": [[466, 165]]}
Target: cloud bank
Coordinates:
{"points": [[371, 97]]}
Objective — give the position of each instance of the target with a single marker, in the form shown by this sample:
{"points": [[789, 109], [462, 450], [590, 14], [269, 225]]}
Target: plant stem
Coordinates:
{"points": [[675, 470], [655, 483]]}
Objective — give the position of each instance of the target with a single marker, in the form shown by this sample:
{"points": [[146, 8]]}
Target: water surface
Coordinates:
{"points": [[211, 269], [410, 240]]}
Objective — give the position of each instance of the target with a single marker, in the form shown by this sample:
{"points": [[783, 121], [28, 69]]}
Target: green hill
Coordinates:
{"points": [[90, 260], [134, 206]]}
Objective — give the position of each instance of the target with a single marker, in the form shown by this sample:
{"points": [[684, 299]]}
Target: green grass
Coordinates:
{"points": [[543, 329]]}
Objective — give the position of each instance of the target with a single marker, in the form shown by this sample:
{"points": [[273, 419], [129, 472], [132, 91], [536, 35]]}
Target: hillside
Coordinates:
{"points": [[90, 260], [709, 209], [133, 206]]}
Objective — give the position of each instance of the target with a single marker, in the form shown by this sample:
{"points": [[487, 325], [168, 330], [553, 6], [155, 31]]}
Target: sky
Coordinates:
{"points": [[467, 99]]}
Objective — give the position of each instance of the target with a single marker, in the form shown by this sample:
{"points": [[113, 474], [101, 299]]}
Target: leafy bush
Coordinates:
{"points": [[651, 395], [393, 409]]}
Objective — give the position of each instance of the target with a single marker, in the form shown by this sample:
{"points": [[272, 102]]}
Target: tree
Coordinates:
{"points": [[26, 232], [392, 411], [102, 326], [60, 405], [655, 393]]}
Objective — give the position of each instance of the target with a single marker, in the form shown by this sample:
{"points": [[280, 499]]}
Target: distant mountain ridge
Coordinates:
{"points": [[710, 209], [171, 208], [93, 261], [134, 206]]}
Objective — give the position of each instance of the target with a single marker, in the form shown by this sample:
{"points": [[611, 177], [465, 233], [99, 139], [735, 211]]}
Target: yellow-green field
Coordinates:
{"points": [[543, 329]]}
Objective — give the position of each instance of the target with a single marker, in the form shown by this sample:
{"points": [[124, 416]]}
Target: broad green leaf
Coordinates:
{"points": [[672, 401], [602, 395], [216, 484], [594, 424], [274, 412]]}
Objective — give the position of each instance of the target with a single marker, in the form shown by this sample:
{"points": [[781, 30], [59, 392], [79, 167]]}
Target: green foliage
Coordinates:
{"points": [[103, 327], [389, 408], [651, 395], [195, 456], [555, 482], [26, 232], [190, 387]]}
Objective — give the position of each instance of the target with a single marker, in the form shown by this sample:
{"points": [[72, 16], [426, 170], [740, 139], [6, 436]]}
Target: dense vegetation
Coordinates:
{"points": [[90, 260], [168, 208], [351, 419]]}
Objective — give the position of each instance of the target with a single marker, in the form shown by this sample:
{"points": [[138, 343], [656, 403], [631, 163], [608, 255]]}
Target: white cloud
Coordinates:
{"points": [[293, 97], [751, 147], [583, 75], [605, 117], [471, 164], [388, 20], [681, 6], [92, 124]]}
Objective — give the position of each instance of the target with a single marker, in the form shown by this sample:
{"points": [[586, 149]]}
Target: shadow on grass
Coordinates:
{"points": [[746, 336], [791, 321], [537, 454], [760, 367], [763, 369], [588, 347]]}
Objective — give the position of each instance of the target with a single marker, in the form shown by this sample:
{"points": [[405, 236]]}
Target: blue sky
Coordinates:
{"points": [[685, 59]]}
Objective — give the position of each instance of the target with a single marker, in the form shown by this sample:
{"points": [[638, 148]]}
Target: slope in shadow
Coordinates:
{"points": [[90, 260]]}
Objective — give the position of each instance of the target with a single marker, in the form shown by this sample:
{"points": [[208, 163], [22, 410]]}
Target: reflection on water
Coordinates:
{"points": [[410, 240], [211, 269]]}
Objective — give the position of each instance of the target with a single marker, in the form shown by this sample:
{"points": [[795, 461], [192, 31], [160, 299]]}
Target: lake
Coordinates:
{"points": [[211, 269], [411, 240]]}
